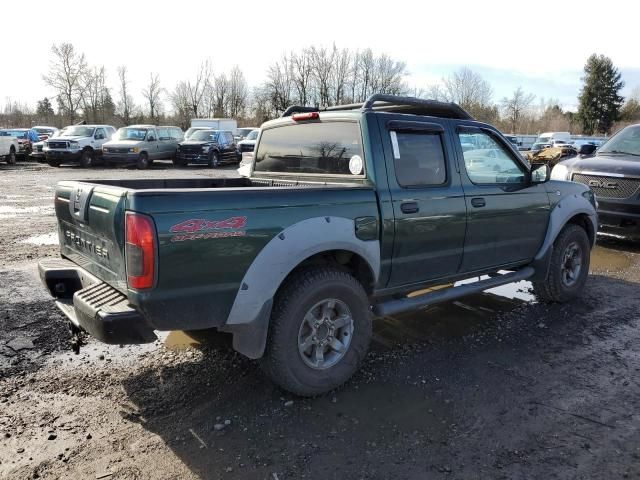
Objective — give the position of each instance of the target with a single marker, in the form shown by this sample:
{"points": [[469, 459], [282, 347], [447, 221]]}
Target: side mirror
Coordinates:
{"points": [[151, 139], [587, 149], [540, 172]]}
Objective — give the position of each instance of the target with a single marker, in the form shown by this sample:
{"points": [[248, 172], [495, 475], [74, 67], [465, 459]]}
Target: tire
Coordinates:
{"points": [[564, 282], [214, 160], [11, 158], [86, 159], [143, 161], [322, 295], [53, 163]]}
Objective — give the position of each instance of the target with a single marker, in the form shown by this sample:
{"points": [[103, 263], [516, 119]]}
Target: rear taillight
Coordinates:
{"points": [[140, 250]]}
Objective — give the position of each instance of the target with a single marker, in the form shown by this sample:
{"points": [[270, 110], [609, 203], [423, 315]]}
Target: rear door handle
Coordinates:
{"points": [[478, 202], [409, 207]]}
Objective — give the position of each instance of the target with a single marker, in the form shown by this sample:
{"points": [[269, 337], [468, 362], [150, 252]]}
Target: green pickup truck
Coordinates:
{"points": [[345, 212]]}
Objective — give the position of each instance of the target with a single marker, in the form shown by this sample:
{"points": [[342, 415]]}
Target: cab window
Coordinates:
{"points": [[418, 158], [487, 161]]}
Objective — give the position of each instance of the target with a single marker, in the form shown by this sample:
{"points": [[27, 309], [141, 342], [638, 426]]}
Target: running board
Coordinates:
{"points": [[393, 307]]}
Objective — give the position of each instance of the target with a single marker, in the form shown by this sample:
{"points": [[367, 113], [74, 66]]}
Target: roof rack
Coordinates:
{"points": [[393, 103]]}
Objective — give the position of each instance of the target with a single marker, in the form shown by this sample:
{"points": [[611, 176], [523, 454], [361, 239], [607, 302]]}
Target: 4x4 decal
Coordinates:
{"points": [[199, 228]]}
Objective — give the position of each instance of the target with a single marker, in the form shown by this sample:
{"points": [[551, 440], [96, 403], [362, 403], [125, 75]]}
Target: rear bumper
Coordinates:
{"points": [[94, 306]]}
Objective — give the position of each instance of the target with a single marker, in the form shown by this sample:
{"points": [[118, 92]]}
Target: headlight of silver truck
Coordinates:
{"points": [[560, 172]]}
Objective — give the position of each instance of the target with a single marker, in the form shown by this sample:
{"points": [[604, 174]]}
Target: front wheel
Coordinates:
{"points": [[143, 161], [319, 332], [11, 158], [86, 160], [568, 268], [53, 163], [214, 160]]}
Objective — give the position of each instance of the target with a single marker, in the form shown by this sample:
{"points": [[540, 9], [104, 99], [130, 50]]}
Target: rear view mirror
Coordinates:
{"points": [[540, 172]]}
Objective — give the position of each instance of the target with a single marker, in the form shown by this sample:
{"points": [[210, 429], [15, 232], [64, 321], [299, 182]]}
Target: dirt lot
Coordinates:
{"points": [[494, 386]]}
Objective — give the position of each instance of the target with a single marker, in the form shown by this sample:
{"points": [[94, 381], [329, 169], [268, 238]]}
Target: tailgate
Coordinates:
{"points": [[91, 228]]}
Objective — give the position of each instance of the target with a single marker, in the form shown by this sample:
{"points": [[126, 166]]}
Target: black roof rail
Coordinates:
{"points": [[298, 109], [424, 107], [393, 103]]}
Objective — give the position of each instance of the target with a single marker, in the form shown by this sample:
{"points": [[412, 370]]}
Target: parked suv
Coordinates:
{"points": [[613, 174], [212, 147], [142, 144], [78, 144], [349, 213]]}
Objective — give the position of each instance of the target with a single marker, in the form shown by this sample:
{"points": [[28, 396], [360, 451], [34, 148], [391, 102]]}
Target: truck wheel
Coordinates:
{"points": [[214, 160], [86, 160], [11, 158], [319, 332], [178, 162], [143, 161], [568, 268], [53, 163]]}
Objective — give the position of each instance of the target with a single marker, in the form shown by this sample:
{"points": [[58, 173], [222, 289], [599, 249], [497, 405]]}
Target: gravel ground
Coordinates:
{"points": [[492, 386]]}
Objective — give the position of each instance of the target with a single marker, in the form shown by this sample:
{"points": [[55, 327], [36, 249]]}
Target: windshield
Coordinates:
{"points": [[626, 141], [14, 133], [243, 132], [205, 135], [46, 131], [543, 140], [129, 133], [79, 131], [253, 135], [191, 131]]}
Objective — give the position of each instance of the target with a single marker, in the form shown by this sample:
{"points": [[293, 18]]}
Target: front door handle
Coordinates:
{"points": [[409, 207], [478, 202]]}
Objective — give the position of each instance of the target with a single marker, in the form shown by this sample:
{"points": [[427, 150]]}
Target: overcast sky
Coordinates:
{"points": [[538, 45]]}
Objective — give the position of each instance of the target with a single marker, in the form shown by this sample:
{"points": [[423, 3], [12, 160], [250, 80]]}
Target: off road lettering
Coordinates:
{"points": [[202, 225]]}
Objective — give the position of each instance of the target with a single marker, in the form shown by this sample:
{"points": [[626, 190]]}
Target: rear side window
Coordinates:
{"points": [[322, 148], [418, 158]]}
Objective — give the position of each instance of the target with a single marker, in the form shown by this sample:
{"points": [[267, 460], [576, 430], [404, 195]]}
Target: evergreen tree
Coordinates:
{"points": [[44, 108], [599, 100]]}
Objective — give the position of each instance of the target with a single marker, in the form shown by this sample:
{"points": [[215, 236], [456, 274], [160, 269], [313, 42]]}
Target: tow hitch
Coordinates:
{"points": [[77, 338]]}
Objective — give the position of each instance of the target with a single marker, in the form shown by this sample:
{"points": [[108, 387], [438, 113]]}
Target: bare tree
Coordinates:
{"points": [[220, 95], [516, 106], [469, 90], [280, 84], [152, 93], [95, 93], [322, 69], [339, 76], [302, 75], [67, 73], [181, 103], [125, 103], [198, 87], [238, 93]]}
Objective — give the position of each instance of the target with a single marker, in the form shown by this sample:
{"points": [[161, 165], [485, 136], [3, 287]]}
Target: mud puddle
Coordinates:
{"points": [[605, 259]]}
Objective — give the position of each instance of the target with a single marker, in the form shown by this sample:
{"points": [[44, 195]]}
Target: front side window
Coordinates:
{"points": [[418, 159], [100, 134], [322, 148], [487, 161]]}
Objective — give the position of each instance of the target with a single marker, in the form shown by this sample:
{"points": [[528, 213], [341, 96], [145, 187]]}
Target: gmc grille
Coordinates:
{"points": [[57, 144], [608, 187], [191, 149]]}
